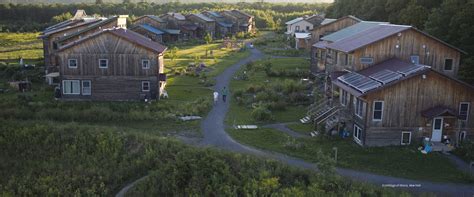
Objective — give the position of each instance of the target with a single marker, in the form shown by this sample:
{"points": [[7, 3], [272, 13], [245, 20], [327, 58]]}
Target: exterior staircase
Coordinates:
{"points": [[315, 110]]}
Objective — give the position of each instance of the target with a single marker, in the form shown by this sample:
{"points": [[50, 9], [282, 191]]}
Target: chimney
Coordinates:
{"points": [[122, 21]]}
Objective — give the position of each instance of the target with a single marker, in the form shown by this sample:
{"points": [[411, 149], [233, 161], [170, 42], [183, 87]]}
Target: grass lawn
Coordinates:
{"points": [[24, 45], [405, 162], [304, 129]]}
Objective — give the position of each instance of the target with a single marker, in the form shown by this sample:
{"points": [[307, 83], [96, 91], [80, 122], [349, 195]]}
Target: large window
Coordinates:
{"points": [[86, 87], [406, 138], [103, 63], [464, 108], [378, 111], [145, 86], [145, 64], [72, 63], [344, 99], [357, 134], [448, 64], [359, 107], [71, 87]]}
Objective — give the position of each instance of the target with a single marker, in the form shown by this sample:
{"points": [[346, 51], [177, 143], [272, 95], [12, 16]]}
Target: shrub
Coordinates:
{"points": [[254, 88], [267, 96], [290, 86], [279, 105], [465, 151], [261, 113]]}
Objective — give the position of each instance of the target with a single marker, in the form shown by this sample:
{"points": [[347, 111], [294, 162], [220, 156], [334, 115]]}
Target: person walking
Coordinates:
{"points": [[224, 93], [216, 97]]}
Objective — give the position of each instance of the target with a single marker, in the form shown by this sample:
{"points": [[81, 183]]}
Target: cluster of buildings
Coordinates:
{"points": [[388, 84], [91, 58]]}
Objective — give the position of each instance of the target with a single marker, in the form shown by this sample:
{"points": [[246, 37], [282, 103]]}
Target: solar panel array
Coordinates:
{"points": [[386, 76], [410, 69], [359, 82]]}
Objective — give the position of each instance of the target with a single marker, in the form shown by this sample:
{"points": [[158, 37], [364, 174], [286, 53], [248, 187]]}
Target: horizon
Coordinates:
{"points": [[158, 1]]}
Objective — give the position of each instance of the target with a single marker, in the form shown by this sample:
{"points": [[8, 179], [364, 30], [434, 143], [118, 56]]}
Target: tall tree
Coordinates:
{"points": [[99, 1], [414, 14]]}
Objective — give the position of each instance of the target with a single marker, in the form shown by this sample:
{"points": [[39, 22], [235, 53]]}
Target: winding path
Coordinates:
{"points": [[213, 128]]}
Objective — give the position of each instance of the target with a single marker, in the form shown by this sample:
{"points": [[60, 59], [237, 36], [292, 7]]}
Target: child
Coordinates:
{"points": [[216, 96]]}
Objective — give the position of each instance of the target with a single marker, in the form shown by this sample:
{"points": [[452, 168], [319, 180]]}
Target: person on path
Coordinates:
{"points": [[224, 93], [216, 96]]}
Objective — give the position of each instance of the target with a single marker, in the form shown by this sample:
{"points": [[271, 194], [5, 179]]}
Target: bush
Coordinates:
{"points": [[279, 105], [261, 113], [465, 151]]}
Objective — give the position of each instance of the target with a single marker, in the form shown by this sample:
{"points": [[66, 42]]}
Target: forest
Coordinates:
{"points": [[448, 20]]}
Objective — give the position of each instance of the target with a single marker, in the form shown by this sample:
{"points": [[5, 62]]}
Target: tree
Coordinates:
{"points": [[99, 1], [208, 38], [62, 17], [126, 1], [173, 53], [414, 14]]}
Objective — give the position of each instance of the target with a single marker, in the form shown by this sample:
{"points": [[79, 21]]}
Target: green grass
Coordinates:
{"points": [[304, 129], [24, 45], [405, 162]]}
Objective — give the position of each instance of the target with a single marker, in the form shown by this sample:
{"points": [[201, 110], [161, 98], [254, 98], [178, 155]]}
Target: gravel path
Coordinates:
{"points": [[282, 127]]}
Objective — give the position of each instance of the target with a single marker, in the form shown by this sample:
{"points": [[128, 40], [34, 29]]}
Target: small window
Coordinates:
{"points": [[344, 100], [336, 54], [86, 87], [350, 59], [307, 28], [415, 59], [366, 60], [71, 87], [72, 63], [357, 134], [406, 138], [378, 111], [464, 108], [448, 64], [359, 107], [103, 63], [346, 59], [297, 28], [316, 54], [323, 54], [462, 136], [145, 86], [145, 64]]}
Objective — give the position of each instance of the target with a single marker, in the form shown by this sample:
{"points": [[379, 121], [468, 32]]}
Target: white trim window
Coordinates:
{"points": [[358, 107], [357, 134], [72, 63], [103, 63], [377, 114], [344, 99], [71, 87], [464, 108], [145, 86], [406, 138], [145, 64], [86, 87]]}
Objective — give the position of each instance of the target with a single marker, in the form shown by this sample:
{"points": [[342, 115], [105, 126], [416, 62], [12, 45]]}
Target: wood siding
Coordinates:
{"points": [[204, 27], [326, 29], [149, 21]]}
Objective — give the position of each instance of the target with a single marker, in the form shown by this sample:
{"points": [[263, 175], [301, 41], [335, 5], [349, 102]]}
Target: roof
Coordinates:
{"points": [[439, 111], [90, 27], [302, 35], [351, 30], [151, 29], [203, 17], [177, 16], [367, 37], [73, 25], [214, 14], [170, 31], [321, 44], [294, 21], [189, 27], [80, 14], [156, 18], [242, 13], [379, 76], [131, 36], [224, 24], [328, 20]]}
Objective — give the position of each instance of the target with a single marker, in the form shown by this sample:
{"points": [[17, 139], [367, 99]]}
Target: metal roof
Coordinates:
{"points": [[351, 30], [204, 17], [224, 24], [129, 35], [367, 37], [214, 14], [90, 27], [328, 20], [321, 44], [171, 31], [302, 35], [294, 21], [151, 29]]}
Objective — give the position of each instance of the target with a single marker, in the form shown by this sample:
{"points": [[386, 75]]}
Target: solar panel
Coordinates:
{"points": [[410, 69], [359, 82], [385, 76]]}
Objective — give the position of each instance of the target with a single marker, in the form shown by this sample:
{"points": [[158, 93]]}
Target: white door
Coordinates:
{"points": [[437, 129]]}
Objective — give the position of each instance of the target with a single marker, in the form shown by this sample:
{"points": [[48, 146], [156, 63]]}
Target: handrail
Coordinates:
{"points": [[325, 113], [330, 115], [318, 107]]}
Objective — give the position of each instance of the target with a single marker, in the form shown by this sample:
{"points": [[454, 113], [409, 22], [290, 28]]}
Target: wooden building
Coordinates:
{"points": [[397, 102], [242, 22], [151, 20], [205, 24], [386, 41], [223, 26], [150, 32], [330, 26], [112, 64]]}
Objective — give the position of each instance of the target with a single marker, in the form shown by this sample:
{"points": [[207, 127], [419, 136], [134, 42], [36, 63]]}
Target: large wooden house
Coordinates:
{"points": [[330, 26], [396, 102], [177, 21], [205, 24], [223, 26], [242, 21], [111, 64]]}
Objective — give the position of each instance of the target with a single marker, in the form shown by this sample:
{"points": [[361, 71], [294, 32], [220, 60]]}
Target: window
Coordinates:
{"points": [[464, 108], [297, 28], [359, 107], [316, 54], [71, 87], [346, 59], [335, 57], [307, 28], [344, 100], [406, 138], [145, 86], [357, 134], [323, 54], [72, 63], [103, 63], [366, 60], [378, 111], [462, 136], [415, 59], [145, 64], [86, 87], [350, 59], [448, 64]]}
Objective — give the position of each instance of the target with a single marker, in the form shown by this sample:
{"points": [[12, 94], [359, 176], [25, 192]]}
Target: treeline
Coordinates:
{"points": [[450, 20], [48, 159], [35, 17]]}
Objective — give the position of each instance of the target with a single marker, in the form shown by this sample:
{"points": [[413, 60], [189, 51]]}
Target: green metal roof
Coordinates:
{"points": [[351, 30]]}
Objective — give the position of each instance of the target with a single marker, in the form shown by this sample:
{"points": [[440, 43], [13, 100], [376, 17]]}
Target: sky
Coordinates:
{"points": [[163, 1]]}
